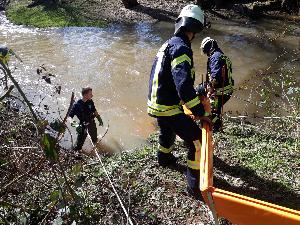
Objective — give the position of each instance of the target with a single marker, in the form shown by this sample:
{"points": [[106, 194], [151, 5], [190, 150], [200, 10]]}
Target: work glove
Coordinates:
{"points": [[77, 126], [204, 118], [206, 104], [100, 121]]}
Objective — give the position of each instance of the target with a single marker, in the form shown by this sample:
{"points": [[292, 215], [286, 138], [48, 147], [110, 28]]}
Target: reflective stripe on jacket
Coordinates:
{"points": [[172, 79]]}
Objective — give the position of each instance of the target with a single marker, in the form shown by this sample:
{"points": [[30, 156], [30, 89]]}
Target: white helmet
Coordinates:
{"points": [[191, 17], [208, 44]]}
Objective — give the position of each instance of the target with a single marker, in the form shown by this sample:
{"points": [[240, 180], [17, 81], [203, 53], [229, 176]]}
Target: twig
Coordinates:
{"points": [[4, 219], [72, 142], [16, 97], [261, 117], [23, 175], [37, 130], [103, 135], [110, 181], [61, 189], [5, 77], [7, 93], [44, 220], [66, 116], [72, 193], [26, 147], [20, 90], [17, 206], [37, 180]]}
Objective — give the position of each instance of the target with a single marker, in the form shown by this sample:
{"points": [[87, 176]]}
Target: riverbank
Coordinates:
{"points": [[49, 15], [98, 13], [263, 166]]}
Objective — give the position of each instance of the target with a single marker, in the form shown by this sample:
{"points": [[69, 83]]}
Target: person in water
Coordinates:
{"points": [[84, 109]]}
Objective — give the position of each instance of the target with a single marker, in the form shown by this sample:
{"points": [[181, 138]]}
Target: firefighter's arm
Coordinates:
{"points": [[99, 118], [72, 121], [97, 115], [215, 75], [181, 72]]}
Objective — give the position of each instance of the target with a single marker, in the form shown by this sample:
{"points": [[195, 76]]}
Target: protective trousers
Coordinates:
{"points": [[92, 129], [216, 105], [183, 126]]}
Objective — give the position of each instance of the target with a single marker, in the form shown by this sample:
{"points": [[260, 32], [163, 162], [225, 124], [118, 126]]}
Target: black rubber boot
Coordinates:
{"points": [[166, 159], [217, 126], [193, 177]]}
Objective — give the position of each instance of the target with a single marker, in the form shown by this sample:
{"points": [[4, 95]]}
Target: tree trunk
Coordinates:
{"points": [[291, 6], [205, 4], [130, 3], [3, 4]]}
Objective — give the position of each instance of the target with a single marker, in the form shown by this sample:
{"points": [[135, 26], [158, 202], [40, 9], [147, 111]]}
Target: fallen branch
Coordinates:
{"points": [[44, 221], [23, 175], [66, 116], [4, 78], [7, 70], [7, 93]]}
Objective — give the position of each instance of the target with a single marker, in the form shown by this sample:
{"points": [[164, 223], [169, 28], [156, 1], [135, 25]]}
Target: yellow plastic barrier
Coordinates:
{"points": [[242, 210], [238, 209]]}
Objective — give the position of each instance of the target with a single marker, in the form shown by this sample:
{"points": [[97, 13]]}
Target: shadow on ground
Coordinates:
{"points": [[158, 14], [255, 186], [252, 185]]}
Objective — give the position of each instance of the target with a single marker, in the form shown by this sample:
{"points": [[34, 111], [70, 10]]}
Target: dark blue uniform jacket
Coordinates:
{"points": [[85, 111], [172, 79], [215, 63]]}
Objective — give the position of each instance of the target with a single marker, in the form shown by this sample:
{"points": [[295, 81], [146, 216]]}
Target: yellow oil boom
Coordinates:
{"points": [[238, 209]]}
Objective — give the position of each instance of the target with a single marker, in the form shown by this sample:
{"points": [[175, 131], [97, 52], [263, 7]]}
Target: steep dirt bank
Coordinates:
{"points": [[168, 10]]}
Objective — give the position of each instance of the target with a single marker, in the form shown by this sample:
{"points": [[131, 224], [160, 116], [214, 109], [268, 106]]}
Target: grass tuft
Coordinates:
{"points": [[44, 16]]}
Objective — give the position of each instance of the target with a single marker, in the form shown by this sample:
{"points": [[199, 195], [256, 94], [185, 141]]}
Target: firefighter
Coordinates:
{"points": [[219, 79], [85, 111], [171, 85]]}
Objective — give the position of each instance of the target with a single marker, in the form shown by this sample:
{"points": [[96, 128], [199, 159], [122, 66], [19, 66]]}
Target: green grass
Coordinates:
{"points": [[48, 16], [269, 149]]}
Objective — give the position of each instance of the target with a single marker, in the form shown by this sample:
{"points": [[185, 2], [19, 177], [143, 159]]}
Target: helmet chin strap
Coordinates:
{"points": [[193, 36], [211, 48]]}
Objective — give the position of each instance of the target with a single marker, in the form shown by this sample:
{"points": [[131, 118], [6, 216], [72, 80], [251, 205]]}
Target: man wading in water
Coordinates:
{"points": [[85, 111]]}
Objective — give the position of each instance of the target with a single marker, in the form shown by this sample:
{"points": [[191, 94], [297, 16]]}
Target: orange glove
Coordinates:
{"points": [[203, 119], [206, 104]]}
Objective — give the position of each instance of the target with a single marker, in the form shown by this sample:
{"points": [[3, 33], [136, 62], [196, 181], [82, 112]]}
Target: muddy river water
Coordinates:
{"points": [[116, 62]]}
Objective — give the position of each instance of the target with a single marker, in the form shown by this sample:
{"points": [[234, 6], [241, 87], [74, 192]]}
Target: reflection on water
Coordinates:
{"points": [[116, 63]]}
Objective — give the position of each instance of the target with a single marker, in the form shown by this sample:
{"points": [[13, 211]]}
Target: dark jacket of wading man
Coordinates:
{"points": [[85, 111], [170, 87]]}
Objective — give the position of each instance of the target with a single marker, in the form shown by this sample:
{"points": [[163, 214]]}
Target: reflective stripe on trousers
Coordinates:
{"points": [[165, 150], [195, 164]]}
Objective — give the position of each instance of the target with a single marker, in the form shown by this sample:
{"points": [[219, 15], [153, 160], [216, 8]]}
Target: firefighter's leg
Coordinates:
{"points": [[216, 105], [80, 140], [166, 140], [217, 120], [92, 128], [190, 132]]}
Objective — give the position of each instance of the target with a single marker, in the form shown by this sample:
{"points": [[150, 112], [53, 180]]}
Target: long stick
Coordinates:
{"points": [[7, 92], [7, 70], [223, 83], [111, 183], [23, 175]]}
